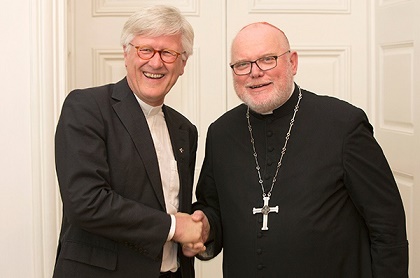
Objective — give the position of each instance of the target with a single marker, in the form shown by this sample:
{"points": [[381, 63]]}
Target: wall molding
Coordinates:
{"points": [[337, 59], [396, 113], [300, 6], [191, 82], [128, 7], [108, 65], [387, 3], [48, 87]]}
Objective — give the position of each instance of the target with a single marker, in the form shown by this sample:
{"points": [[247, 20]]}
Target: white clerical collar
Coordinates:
{"points": [[149, 110], [271, 112]]}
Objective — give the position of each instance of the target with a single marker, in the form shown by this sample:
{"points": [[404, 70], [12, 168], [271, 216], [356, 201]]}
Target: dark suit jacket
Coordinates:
{"points": [[114, 219]]}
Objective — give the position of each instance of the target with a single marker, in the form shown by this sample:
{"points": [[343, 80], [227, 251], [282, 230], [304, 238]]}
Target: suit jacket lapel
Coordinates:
{"points": [[132, 117]]}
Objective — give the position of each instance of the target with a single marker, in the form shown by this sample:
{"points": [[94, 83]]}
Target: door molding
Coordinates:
{"points": [[48, 87]]}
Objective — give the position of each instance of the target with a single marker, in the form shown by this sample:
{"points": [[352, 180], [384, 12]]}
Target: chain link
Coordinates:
{"points": [[283, 150]]}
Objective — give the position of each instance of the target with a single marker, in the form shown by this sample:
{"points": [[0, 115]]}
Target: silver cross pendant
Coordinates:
{"points": [[265, 210]]}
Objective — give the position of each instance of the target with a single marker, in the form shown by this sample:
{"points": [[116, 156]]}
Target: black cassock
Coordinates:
{"points": [[340, 213]]}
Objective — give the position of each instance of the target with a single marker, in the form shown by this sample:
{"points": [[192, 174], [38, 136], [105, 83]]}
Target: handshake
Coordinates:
{"points": [[192, 232]]}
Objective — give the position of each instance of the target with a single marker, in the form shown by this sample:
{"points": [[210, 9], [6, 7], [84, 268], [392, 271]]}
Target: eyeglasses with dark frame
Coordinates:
{"points": [[147, 52], [264, 63]]}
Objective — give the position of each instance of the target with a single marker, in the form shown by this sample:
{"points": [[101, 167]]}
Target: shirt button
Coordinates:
{"points": [[260, 267], [270, 149], [269, 133], [259, 251]]}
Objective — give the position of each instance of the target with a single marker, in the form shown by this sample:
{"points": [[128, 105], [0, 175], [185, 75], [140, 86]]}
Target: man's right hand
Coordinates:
{"points": [[191, 249], [187, 230]]}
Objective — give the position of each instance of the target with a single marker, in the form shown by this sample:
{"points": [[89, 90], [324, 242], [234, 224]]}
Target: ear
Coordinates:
{"points": [[183, 64], [294, 61]]}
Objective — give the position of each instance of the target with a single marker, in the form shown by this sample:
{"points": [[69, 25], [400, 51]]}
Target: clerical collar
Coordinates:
{"points": [[148, 110], [290, 94], [283, 110]]}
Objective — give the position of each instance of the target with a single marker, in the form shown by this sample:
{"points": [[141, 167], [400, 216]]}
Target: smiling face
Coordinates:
{"points": [[152, 79], [263, 91]]}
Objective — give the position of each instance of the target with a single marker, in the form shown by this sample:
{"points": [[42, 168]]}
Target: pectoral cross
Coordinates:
{"points": [[265, 210]]}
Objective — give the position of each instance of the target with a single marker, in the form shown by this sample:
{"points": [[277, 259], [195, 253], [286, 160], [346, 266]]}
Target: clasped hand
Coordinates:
{"points": [[192, 231]]}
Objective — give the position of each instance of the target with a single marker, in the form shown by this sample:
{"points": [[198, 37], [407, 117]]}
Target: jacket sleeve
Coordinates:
{"points": [[374, 192], [90, 201], [208, 202]]}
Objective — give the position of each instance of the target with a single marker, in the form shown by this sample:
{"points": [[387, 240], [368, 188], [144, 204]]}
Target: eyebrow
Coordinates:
{"points": [[265, 55]]}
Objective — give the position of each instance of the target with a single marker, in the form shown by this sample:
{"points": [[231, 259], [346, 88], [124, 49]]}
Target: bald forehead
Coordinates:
{"points": [[259, 35], [261, 23], [262, 26]]}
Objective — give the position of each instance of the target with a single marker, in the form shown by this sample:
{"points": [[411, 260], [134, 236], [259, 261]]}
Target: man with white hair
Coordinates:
{"points": [[125, 162]]}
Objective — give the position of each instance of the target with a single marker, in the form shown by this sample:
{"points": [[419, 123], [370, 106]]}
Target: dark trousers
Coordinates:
{"points": [[169, 274]]}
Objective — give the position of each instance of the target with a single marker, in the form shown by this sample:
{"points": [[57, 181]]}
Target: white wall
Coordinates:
{"points": [[16, 241]]}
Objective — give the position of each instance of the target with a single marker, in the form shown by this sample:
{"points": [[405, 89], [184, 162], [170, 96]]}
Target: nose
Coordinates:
{"points": [[156, 61], [255, 70]]}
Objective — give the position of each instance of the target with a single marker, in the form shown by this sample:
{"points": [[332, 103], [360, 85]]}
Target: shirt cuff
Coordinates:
{"points": [[172, 229]]}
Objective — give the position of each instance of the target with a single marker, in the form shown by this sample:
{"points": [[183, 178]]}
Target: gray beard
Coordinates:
{"points": [[267, 106]]}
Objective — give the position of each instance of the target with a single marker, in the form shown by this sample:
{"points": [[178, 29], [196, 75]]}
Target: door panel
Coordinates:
{"points": [[396, 102]]}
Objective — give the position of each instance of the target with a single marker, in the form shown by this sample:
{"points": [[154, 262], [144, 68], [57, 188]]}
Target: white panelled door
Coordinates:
{"points": [[397, 105]]}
